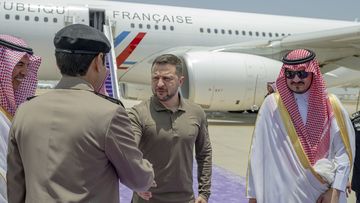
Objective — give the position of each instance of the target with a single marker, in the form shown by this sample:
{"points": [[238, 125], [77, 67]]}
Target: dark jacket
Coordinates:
{"points": [[356, 171]]}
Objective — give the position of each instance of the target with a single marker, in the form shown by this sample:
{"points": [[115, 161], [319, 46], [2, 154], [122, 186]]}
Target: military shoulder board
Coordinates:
{"points": [[113, 100]]}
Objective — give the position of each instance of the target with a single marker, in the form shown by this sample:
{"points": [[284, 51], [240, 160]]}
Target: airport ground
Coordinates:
{"points": [[231, 139]]}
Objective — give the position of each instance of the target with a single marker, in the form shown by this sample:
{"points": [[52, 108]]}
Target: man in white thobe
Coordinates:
{"points": [[303, 143], [18, 80]]}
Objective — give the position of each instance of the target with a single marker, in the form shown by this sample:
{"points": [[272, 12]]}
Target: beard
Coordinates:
{"points": [[300, 89], [167, 97]]}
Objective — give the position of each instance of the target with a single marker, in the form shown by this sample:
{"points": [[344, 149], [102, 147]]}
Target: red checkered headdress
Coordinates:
{"points": [[12, 50], [314, 135]]}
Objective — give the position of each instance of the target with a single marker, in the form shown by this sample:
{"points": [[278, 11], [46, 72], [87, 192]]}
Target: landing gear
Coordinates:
{"points": [[254, 109]]}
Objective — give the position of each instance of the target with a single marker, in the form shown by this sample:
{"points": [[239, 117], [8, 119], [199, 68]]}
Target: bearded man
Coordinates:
{"points": [[18, 80], [167, 127]]}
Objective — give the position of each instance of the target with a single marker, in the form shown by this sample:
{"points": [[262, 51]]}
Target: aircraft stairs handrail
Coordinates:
{"points": [[111, 83]]}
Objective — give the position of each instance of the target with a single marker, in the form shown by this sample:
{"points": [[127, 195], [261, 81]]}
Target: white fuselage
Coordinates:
{"points": [[154, 21], [141, 31]]}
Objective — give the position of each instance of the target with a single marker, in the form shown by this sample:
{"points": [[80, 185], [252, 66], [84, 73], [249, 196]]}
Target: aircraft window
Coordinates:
{"points": [[237, 32], [7, 16], [55, 20], [132, 25], [257, 34], [36, 18], [230, 32], [171, 27], [263, 34], [250, 33], [164, 27], [148, 26], [46, 19], [215, 31], [222, 31], [140, 26], [201, 29], [17, 17], [208, 30], [243, 32], [156, 27], [277, 34], [27, 18], [282, 34], [270, 34]]}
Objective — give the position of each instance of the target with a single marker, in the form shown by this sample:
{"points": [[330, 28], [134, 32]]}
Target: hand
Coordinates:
{"points": [[200, 199], [348, 189], [147, 195], [252, 200], [330, 196]]}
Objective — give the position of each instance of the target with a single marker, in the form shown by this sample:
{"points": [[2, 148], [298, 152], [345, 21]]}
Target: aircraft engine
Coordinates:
{"points": [[223, 81]]}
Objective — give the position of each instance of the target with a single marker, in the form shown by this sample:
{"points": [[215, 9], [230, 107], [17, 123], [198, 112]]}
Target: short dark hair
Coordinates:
{"points": [[169, 59], [74, 64]]}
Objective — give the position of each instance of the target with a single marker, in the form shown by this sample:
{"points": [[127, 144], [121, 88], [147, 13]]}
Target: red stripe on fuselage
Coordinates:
{"points": [[129, 49]]}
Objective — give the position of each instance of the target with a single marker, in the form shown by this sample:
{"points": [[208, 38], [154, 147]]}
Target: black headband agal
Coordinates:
{"points": [[308, 58], [16, 47]]}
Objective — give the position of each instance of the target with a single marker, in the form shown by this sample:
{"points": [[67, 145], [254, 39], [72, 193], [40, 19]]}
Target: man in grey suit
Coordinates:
{"points": [[72, 144]]}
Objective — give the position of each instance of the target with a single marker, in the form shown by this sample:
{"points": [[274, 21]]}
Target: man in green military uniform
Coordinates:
{"points": [[166, 129], [70, 144]]}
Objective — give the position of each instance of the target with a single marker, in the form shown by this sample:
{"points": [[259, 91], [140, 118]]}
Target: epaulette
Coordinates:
{"points": [[113, 100], [30, 98], [355, 118], [355, 115]]}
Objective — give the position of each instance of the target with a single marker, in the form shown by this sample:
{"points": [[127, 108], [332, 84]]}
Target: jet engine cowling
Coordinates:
{"points": [[224, 81]]}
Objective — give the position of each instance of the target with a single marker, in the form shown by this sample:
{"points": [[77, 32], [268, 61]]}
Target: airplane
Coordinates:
{"points": [[228, 56]]}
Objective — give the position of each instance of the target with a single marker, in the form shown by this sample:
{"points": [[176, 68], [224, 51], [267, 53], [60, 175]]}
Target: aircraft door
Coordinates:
{"points": [[77, 14], [97, 19], [257, 84]]}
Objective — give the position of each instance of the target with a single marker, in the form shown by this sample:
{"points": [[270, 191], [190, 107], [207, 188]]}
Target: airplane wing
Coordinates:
{"points": [[334, 48], [337, 51]]}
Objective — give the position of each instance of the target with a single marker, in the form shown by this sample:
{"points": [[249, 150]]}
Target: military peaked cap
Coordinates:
{"points": [[81, 39]]}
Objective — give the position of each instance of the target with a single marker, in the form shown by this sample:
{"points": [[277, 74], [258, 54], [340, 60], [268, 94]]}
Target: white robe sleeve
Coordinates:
{"points": [[339, 153], [342, 159]]}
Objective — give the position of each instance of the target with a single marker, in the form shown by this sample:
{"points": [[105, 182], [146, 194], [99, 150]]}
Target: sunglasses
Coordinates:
{"points": [[301, 74]]}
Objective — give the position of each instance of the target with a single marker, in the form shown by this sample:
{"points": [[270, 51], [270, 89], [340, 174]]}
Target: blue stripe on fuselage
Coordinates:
{"points": [[120, 38]]}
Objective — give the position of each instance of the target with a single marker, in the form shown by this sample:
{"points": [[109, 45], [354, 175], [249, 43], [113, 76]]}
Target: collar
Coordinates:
{"points": [[160, 107], [76, 83], [302, 97]]}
